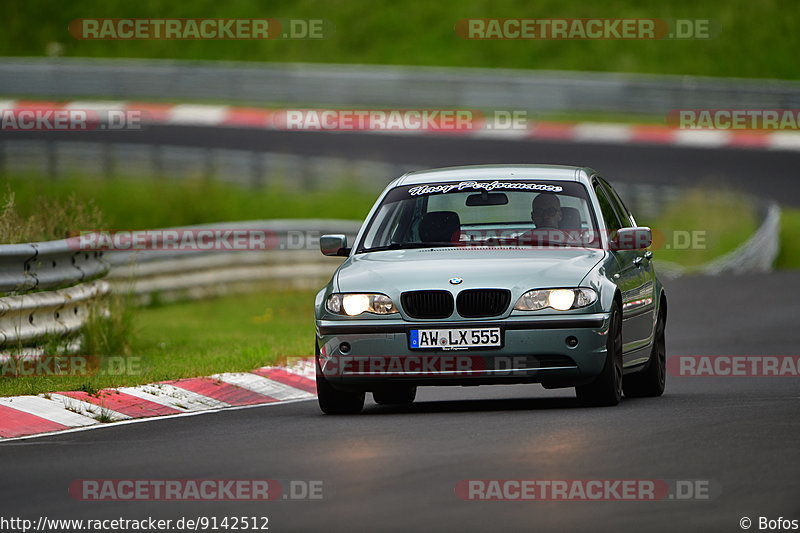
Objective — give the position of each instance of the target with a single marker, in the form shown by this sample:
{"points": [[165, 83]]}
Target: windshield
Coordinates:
{"points": [[482, 213]]}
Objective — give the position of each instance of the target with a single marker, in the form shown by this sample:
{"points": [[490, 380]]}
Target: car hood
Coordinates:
{"points": [[521, 269]]}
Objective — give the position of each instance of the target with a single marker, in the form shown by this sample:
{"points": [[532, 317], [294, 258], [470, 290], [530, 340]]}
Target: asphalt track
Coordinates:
{"points": [[396, 469], [767, 173]]}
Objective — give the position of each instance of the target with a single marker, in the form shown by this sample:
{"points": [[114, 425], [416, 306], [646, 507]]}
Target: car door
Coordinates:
{"points": [[645, 301], [635, 277]]}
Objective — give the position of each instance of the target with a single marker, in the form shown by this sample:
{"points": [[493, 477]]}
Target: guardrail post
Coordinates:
{"points": [[52, 159], [109, 161], [158, 161], [257, 169]]}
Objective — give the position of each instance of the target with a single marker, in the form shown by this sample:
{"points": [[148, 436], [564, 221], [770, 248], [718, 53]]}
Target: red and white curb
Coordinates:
{"points": [[25, 416], [240, 117]]}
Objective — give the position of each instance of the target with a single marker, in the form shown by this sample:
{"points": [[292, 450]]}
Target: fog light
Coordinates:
{"points": [[344, 347], [572, 341]]}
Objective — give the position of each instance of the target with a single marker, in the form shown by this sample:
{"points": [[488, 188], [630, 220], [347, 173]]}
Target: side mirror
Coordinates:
{"points": [[334, 245], [632, 239]]}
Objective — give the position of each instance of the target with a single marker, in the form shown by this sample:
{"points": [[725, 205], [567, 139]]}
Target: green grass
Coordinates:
{"points": [[128, 203], [47, 220], [190, 339], [789, 255], [756, 38], [723, 219], [109, 328]]}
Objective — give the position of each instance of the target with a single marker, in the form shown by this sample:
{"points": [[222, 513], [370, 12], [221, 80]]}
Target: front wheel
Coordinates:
{"points": [[395, 395], [606, 390], [336, 402]]}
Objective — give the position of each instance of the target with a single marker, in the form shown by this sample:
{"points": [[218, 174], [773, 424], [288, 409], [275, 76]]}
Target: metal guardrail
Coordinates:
{"points": [[28, 315], [14, 268], [237, 167], [394, 86], [293, 260], [46, 265], [756, 254], [35, 316]]}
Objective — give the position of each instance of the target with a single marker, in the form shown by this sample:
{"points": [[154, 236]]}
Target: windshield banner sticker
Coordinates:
{"points": [[486, 186]]}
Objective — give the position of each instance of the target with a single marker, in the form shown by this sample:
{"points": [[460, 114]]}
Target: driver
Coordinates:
{"points": [[546, 215], [546, 211]]}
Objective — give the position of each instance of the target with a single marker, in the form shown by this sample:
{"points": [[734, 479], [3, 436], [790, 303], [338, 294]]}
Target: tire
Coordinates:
{"points": [[650, 382], [606, 390], [335, 402], [395, 395]]}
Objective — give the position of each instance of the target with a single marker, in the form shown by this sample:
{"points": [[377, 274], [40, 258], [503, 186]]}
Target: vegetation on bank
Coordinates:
{"points": [[749, 39], [51, 207], [187, 339]]}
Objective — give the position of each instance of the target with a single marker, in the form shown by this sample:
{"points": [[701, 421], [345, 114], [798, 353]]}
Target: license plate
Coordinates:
{"points": [[455, 339]]}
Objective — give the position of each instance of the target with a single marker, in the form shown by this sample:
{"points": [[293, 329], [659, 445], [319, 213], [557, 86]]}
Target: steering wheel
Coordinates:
{"points": [[550, 234]]}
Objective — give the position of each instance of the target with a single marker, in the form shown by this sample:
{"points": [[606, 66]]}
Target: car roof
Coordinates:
{"points": [[497, 172]]}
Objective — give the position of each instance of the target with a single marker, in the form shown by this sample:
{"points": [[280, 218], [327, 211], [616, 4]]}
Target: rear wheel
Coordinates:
{"points": [[606, 390], [395, 395], [650, 381]]}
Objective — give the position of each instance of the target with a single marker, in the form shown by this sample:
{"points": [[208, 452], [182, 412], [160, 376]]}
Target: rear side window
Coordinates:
{"points": [[619, 206], [609, 214]]}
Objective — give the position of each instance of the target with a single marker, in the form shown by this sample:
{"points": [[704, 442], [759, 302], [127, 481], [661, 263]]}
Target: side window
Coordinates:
{"points": [[379, 233], [609, 215], [624, 215], [396, 218]]}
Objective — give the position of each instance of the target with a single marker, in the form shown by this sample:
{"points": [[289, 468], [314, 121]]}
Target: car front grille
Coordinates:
{"points": [[478, 303], [427, 304]]}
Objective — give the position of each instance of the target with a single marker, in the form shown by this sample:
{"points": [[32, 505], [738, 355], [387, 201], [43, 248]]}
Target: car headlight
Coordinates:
{"points": [[352, 304], [558, 299]]}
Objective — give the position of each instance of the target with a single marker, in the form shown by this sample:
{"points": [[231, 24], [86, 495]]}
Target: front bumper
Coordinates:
{"points": [[363, 354]]}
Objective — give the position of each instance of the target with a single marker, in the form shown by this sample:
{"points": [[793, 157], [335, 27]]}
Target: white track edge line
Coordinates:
{"points": [[151, 419]]}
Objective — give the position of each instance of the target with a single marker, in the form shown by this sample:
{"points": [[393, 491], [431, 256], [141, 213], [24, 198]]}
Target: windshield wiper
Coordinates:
{"points": [[409, 245]]}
